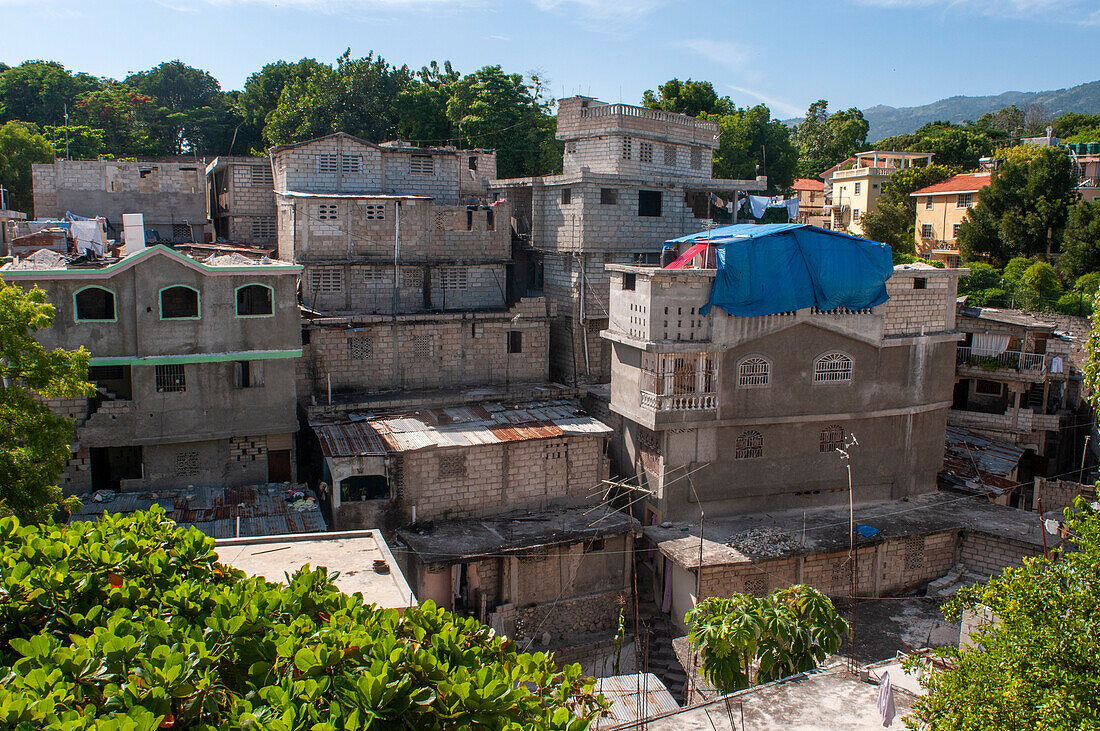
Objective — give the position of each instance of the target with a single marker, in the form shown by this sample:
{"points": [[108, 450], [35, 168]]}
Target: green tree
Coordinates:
{"points": [[260, 96], [824, 139], [789, 631], [957, 146], [693, 98], [1038, 665], [38, 91], [194, 106], [1071, 123], [490, 108], [1041, 278], [34, 442], [20, 147], [132, 623], [423, 105], [84, 142], [750, 140], [1024, 208], [132, 123], [894, 215], [982, 276], [1081, 242], [1009, 120]]}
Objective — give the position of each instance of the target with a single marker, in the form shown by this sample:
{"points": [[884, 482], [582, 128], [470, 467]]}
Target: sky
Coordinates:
{"points": [[785, 53]]}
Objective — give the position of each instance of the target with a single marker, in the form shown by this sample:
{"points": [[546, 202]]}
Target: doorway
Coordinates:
{"points": [[111, 465], [278, 466]]}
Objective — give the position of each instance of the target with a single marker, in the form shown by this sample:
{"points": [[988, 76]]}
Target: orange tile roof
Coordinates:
{"points": [[808, 184], [964, 183]]}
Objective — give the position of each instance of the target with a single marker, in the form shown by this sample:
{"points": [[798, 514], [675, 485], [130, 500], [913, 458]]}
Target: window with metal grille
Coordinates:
{"points": [[696, 158], [452, 465], [455, 279], [830, 439], [326, 164], [515, 341], [858, 186], [179, 303], [361, 348], [753, 372], [750, 445], [326, 280], [627, 148], [670, 156], [926, 231], [95, 303], [833, 368], [170, 378], [855, 215], [928, 203], [421, 165], [645, 152], [566, 196], [963, 200], [609, 196], [422, 347], [442, 221], [955, 230], [263, 229], [328, 212], [374, 212], [914, 553], [254, 300], [181, 232], [350, 164], [187, 464], [649, 203], [376, 275], [261, 176]]}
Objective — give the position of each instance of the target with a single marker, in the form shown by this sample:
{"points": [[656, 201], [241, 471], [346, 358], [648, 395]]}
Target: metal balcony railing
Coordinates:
{"points": [[1010, 359]]}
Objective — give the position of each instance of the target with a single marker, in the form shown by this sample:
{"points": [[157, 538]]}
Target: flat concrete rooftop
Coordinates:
{"points": [[352, 553], [782, 534]]}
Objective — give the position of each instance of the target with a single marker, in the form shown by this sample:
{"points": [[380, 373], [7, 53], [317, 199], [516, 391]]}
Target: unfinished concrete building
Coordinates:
{"points": [[732, 414], [241, 200], [169, 193], [631, 179], [193, 363], [1015, 382]]}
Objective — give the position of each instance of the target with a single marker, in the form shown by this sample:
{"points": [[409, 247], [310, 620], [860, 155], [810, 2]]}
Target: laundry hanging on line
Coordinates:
{"points": [[758, 204]]}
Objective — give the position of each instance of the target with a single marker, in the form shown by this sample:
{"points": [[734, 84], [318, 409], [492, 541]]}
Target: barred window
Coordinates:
{"points": [[833, 368], [831, 439], [187, 464], [670, 156], [326, 279], [422, 347], [326, 164], [750, 445], [261, 176], [455, 279], [628, 148], [753, 372], [645, 152], [181, 232], [350, 164], [914, 553], [696, 158], [421, 165], [263, 229], [963, 200], [170, 378], [926, 231], [361, 348], [452, 465]]}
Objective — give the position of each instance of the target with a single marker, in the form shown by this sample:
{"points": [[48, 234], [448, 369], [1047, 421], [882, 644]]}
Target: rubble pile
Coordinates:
{"points": [[764, 542]]}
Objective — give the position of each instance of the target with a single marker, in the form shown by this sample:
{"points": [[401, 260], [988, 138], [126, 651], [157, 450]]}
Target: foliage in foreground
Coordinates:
{"points": [[1038, 666], [789, 631], [131, 623]]}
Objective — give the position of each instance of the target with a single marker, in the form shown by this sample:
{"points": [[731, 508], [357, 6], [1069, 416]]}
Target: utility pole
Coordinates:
{"points": [[3, 190], [66, 131]]}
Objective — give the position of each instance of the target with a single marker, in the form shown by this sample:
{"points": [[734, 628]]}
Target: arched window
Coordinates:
{"points": [[831, 439], [254, 300], [833, 368], [753, 372], [179, 302], [750, 445], [95, 303]]}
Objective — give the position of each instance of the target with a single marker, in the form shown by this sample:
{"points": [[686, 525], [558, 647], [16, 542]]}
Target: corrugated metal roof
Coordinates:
{"points": [[462, 426], [975, 460], [263, 509], [634, 697]]}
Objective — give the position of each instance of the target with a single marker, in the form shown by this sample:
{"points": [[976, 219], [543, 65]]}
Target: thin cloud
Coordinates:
{"points": [[732, 56], [1074, 12], [601, 9], [776, 105]]}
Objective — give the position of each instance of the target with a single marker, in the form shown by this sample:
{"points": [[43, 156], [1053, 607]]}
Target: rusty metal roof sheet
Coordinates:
{"points": [[633, 698], [974, 460], [463, 426]]}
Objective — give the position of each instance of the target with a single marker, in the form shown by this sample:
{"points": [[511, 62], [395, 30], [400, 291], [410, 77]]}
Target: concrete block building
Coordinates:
{"points": [[736, 414], [193, 363], [631, 179], [170, 193], [241, 200]]}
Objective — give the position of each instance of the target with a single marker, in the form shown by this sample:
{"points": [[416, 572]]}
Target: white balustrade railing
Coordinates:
{"points": [[680, 401]]}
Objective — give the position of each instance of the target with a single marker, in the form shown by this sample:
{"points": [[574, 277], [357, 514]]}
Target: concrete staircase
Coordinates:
{"points": [[656, 626]]}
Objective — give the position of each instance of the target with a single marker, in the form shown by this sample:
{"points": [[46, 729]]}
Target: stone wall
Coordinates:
{"points": [[368, 288], [986, 554], [378, 354], [913, 311], [1060, 494], [587, 614]]}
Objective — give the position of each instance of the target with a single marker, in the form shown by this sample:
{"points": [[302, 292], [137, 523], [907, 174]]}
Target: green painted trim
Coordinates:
{"points": [[133, 259], [237, 301], [198, 301], [114, 305], [200, 358]]}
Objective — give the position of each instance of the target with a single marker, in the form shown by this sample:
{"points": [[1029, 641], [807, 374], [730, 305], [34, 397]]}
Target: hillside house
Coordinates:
{"points": [[941, 210]]}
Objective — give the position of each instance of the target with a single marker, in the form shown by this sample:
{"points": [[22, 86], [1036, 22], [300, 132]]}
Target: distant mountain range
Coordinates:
{"points": [[889, 121]]}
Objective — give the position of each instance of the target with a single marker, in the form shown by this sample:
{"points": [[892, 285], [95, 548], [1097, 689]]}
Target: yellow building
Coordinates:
{"points": [[811, 201], [941, 209], [856, 184]]}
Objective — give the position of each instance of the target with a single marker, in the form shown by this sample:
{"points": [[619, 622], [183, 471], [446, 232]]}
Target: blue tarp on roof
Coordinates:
{"points": [[770, 268]]}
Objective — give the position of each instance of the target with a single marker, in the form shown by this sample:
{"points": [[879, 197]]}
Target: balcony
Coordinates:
{"points": [[680, 402], [1022, 366], [679, 382]]}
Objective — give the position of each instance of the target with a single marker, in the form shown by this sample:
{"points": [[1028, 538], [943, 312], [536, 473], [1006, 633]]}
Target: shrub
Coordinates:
{"points": [[1074, 303], [994, 297], [131, 623], [982, 276]]}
